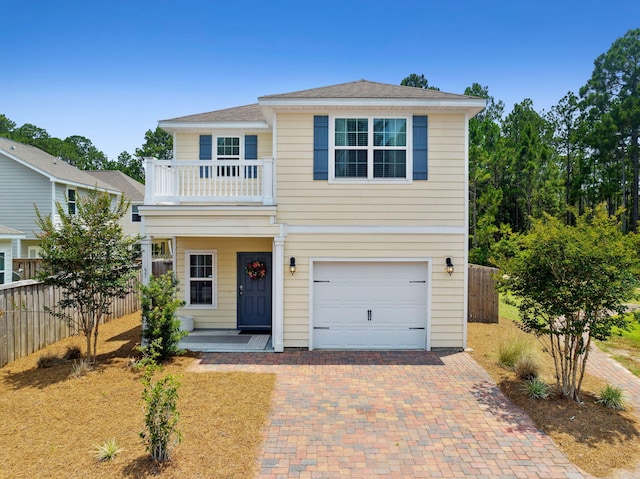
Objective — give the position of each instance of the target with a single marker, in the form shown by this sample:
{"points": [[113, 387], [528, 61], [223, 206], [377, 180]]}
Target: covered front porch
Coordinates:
{"points": [[212, 247]]}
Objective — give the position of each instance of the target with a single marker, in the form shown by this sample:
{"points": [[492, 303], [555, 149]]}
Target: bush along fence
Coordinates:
{"points": [[26, 326]]}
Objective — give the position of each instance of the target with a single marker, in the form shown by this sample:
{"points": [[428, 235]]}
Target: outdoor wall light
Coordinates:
{"points": [[292, 265], [449, 266]]}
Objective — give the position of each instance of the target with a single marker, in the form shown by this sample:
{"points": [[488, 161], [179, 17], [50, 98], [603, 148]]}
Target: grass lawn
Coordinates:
{"points": [[624, 347], [51, 422], [596, 439]]}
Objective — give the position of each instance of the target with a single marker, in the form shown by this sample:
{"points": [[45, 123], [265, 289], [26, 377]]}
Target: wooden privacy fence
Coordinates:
{"points": [[26, 326], [482, 295], [27, 268]]}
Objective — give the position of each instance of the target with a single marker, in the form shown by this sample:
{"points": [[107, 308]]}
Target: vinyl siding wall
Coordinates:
{"points": [[224, 316], [447, 292], [438, 201], [187, 145], [20, 189]]}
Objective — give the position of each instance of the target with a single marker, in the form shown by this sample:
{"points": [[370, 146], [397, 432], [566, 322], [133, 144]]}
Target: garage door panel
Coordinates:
{"points": [[370, 305]]}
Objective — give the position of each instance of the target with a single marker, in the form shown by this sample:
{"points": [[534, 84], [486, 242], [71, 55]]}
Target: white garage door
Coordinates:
{"points": [[369, 305]]}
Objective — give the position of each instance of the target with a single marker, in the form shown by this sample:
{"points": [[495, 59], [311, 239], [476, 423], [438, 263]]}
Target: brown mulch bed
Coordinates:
{"points": [[596, 439], [52, 422]]}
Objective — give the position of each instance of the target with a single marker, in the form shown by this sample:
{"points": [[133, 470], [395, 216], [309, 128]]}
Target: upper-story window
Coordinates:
{"points": [[135, 214], [228, 148], [370, 148], [71, 201]]}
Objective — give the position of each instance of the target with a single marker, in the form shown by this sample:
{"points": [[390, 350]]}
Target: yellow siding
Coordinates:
{"points": [[439, 201], [188, 144], [224, 315], [447, 292]]}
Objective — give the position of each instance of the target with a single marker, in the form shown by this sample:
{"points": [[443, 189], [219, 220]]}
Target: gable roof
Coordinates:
{"points": [[131, 189], [6, 232], [367, 89], [251, 112], [351, 94], [48, 165]]}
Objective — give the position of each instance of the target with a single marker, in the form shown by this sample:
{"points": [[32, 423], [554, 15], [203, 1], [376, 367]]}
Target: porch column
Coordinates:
{"points": [[145, 245], [277, 326]]}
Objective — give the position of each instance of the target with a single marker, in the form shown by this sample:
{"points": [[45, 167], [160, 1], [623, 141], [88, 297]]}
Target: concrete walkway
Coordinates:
{"points": [[393, 415]]}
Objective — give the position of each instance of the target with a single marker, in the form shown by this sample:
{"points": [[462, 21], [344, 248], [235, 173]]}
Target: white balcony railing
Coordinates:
{"points": [[228, 181]]}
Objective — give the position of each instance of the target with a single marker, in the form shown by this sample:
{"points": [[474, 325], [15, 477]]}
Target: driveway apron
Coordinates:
{"points": [[393, 415]]}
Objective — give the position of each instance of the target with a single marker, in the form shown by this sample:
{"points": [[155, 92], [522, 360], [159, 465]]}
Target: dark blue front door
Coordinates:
{"points": [[254, 291]]}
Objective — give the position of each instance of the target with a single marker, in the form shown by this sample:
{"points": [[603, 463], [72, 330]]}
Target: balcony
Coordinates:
{"points": [[229, 181]]}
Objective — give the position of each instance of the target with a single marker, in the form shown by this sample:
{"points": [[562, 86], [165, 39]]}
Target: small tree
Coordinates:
{"points": [[571, 284], [161, 415], [161, 327], [90, 258]]}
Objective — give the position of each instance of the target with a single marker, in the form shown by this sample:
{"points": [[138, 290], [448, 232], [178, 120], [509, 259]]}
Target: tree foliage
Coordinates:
{"points": [[571, 283], [157, 144], [418, 81], [90, 258], [161, 327]]}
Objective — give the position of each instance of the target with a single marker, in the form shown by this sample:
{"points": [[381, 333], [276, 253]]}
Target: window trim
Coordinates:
{"points": [[135, 214], [371, 148], [3, 271], [72, 203], [188, 279]]}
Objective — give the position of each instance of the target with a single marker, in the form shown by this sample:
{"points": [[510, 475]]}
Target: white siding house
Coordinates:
{"points": [[31, 178], [335, 217]]}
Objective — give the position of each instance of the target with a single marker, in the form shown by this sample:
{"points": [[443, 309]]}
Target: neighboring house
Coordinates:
{"points": [[7, 237], [335, 217], [30, 177], [133, 192]]}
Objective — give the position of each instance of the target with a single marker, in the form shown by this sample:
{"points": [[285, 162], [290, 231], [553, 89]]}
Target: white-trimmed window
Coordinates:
{"points": [[200, 273], [228, 148], [370, 148], [71, 201], [135, 215]]}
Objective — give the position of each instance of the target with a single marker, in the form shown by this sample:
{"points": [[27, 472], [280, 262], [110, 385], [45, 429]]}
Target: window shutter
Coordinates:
{"points": [[206, 143], [251, 147], [320, 147], [420, 147]]}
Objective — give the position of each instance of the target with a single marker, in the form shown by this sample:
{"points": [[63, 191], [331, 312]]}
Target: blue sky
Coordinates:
{"points": [[109, 70]]}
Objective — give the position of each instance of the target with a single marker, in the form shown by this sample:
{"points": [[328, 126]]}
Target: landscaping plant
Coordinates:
{"points": [[161, 415], [108, 451], [89, 257], [160, 326], [536, 389], [571, 283], [611, 397]]}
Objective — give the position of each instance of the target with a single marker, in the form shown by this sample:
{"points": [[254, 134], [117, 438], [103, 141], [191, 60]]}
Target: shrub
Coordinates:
{"points": [[161, 328], [536, 389], [611, 397], [49, 360], [108, 451], [73, 352], [161, 416], [80, 368], [509, 352], [527, 367]]}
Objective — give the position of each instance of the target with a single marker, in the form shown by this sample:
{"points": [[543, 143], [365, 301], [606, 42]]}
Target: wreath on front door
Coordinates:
{"points": [[256, 270]]}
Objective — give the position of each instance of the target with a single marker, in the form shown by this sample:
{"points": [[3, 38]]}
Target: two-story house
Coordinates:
{"points": [[335, 217], [30, 177], [7, 238]]}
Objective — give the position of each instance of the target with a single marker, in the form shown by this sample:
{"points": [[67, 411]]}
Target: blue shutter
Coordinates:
{"points": [[320, 147], [251, 147], [206, 145], [420, 147], [251, 153]]}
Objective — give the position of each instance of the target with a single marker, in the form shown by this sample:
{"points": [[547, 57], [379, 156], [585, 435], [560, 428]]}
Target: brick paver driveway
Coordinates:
{"points": [[393, 415]]}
